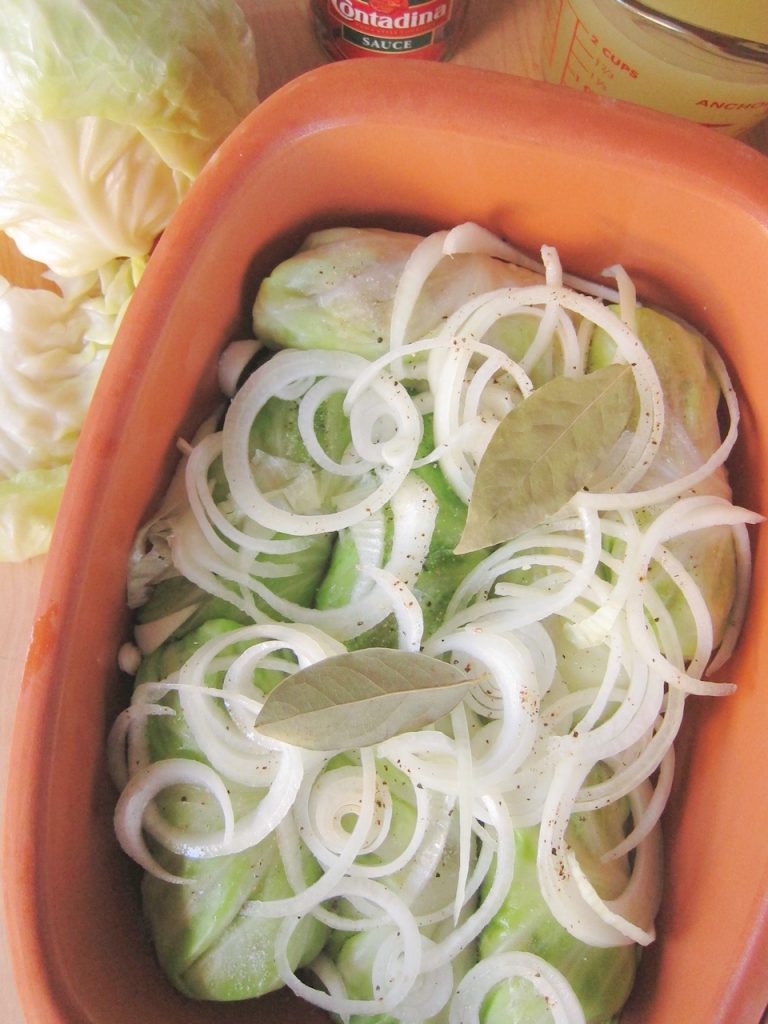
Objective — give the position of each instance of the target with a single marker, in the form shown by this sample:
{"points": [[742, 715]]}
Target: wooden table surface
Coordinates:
{"points": [[503, 35]]}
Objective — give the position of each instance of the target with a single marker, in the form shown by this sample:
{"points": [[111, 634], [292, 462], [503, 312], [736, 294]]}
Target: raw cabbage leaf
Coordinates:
{"points": [[110, 109], [337, 292], [52, 350], [28, 505], [602, 977], [206, 946]]}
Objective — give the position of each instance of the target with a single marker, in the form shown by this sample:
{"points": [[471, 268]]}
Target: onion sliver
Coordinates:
{"points": [[140, 791], [283, 368], [493, 970]]}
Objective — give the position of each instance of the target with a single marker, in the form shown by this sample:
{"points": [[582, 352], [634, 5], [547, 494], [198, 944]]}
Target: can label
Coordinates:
{"points": [[366, 28]]}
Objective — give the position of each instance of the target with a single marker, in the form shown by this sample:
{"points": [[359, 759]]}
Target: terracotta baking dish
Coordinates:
{"points": [[430, 145]]}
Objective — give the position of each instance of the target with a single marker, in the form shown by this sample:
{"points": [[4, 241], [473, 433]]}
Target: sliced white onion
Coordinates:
{"points": [[283, 368], [410, 618], [233, 361], [419, 265], [399, 982], [627, 295], [500, 967], [142, 788], [568, 893], [516, 753], [414, 511], [470, 237]]}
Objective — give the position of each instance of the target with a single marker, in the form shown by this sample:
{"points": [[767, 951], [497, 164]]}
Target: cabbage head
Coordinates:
{"points": [[110, 109], [53, 346]]}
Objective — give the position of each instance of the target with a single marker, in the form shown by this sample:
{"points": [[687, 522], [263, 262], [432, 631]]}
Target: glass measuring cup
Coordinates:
{"points": [[627, 50]]}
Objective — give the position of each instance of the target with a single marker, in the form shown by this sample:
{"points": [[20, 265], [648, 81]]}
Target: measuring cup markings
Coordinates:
{"points": [[586, 59], [587, 47]]}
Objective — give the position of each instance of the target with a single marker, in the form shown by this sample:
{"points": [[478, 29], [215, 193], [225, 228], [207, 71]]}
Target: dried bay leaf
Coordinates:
{"points": [[544, 451], [361, 698]]}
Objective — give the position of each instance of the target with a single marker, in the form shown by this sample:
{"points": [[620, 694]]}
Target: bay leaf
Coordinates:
{"points": [[544, 451], [361, 698]]}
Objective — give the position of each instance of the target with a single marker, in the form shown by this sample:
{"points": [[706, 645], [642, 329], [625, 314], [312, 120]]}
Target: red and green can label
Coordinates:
{"points": [[368, 28]]}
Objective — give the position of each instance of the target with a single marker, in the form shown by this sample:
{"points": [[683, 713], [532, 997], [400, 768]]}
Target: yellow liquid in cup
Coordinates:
{"points": [[741, 19], [602, 47]]}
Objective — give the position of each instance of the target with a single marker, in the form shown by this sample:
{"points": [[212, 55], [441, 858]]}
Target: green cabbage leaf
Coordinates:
{"points": [[110, 109], [52, 350], [337, 292]]}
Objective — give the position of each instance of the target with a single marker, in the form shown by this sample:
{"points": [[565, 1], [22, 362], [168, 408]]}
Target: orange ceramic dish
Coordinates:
{"points": [[686, 212]]}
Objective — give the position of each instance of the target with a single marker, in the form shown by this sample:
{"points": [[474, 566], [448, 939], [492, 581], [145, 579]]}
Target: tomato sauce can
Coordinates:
{"points": [[420, 29]]}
